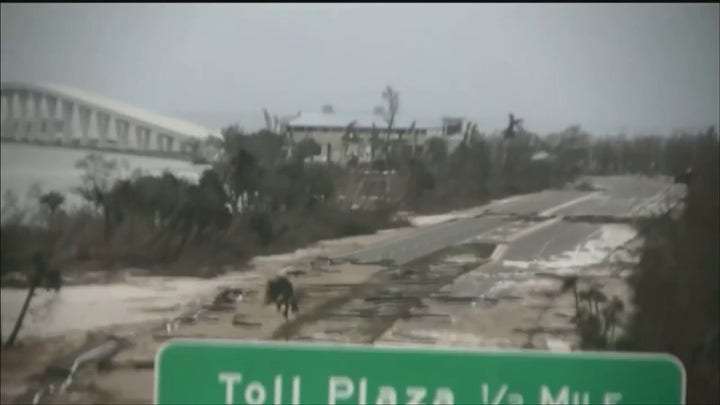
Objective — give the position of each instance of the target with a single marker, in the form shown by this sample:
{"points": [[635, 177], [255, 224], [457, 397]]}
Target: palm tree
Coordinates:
{"points": [[586, 295], [570, 283], [591, 328], [597, 296], [53, 200], [610, 313], [42, 276], [514, 124]]}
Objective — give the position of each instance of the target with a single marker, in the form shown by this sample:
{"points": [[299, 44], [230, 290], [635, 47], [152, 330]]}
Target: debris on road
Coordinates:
{"points": [[229, 296]]}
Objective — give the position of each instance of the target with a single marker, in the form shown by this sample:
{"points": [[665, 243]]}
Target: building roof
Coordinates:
{"points": [[174, 125], [342, 120]]}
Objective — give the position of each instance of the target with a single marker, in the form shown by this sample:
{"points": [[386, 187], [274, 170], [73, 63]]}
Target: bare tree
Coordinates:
{"points": [[392, 98], [268, 120], [97, 180], [412, 132], [374, 142]]}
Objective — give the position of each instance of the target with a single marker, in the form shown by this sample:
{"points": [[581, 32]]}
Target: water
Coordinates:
{"points": [[90, 306], [53, 168]]}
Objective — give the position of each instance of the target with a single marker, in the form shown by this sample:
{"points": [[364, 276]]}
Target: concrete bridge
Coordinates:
{"points": [[61, 115]]}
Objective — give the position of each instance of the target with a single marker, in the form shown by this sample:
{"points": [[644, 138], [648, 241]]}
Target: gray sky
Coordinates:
{"points": [[632, 67]]}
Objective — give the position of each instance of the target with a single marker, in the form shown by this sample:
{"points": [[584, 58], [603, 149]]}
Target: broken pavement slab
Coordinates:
{"points": [[241, 320]]}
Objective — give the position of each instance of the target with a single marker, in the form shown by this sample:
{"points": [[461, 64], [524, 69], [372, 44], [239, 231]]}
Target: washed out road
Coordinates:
{"points": [[618, 196]]}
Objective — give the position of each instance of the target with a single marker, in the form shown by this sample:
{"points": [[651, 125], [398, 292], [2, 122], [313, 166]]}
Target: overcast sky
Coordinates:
{"points": [[631, 67]]}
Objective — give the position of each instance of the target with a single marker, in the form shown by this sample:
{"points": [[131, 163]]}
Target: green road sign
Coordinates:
{"points": [[238, 372]]}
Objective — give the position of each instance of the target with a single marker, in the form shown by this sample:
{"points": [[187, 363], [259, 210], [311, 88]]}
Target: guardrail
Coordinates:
{"points": [[98, 354], [107, 350]]}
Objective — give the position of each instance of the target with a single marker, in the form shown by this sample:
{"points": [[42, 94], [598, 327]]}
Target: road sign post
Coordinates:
{"points": [[239, 372]]}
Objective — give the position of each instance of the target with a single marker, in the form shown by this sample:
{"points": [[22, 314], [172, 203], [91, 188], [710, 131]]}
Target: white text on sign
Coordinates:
{"points": [[344, 390]]}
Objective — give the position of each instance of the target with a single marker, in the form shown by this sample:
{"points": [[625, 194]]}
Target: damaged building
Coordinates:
{"points": [[346, 136]]}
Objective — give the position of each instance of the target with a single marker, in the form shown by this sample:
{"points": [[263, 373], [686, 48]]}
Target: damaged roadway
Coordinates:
{"points": [[414, 285]]}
